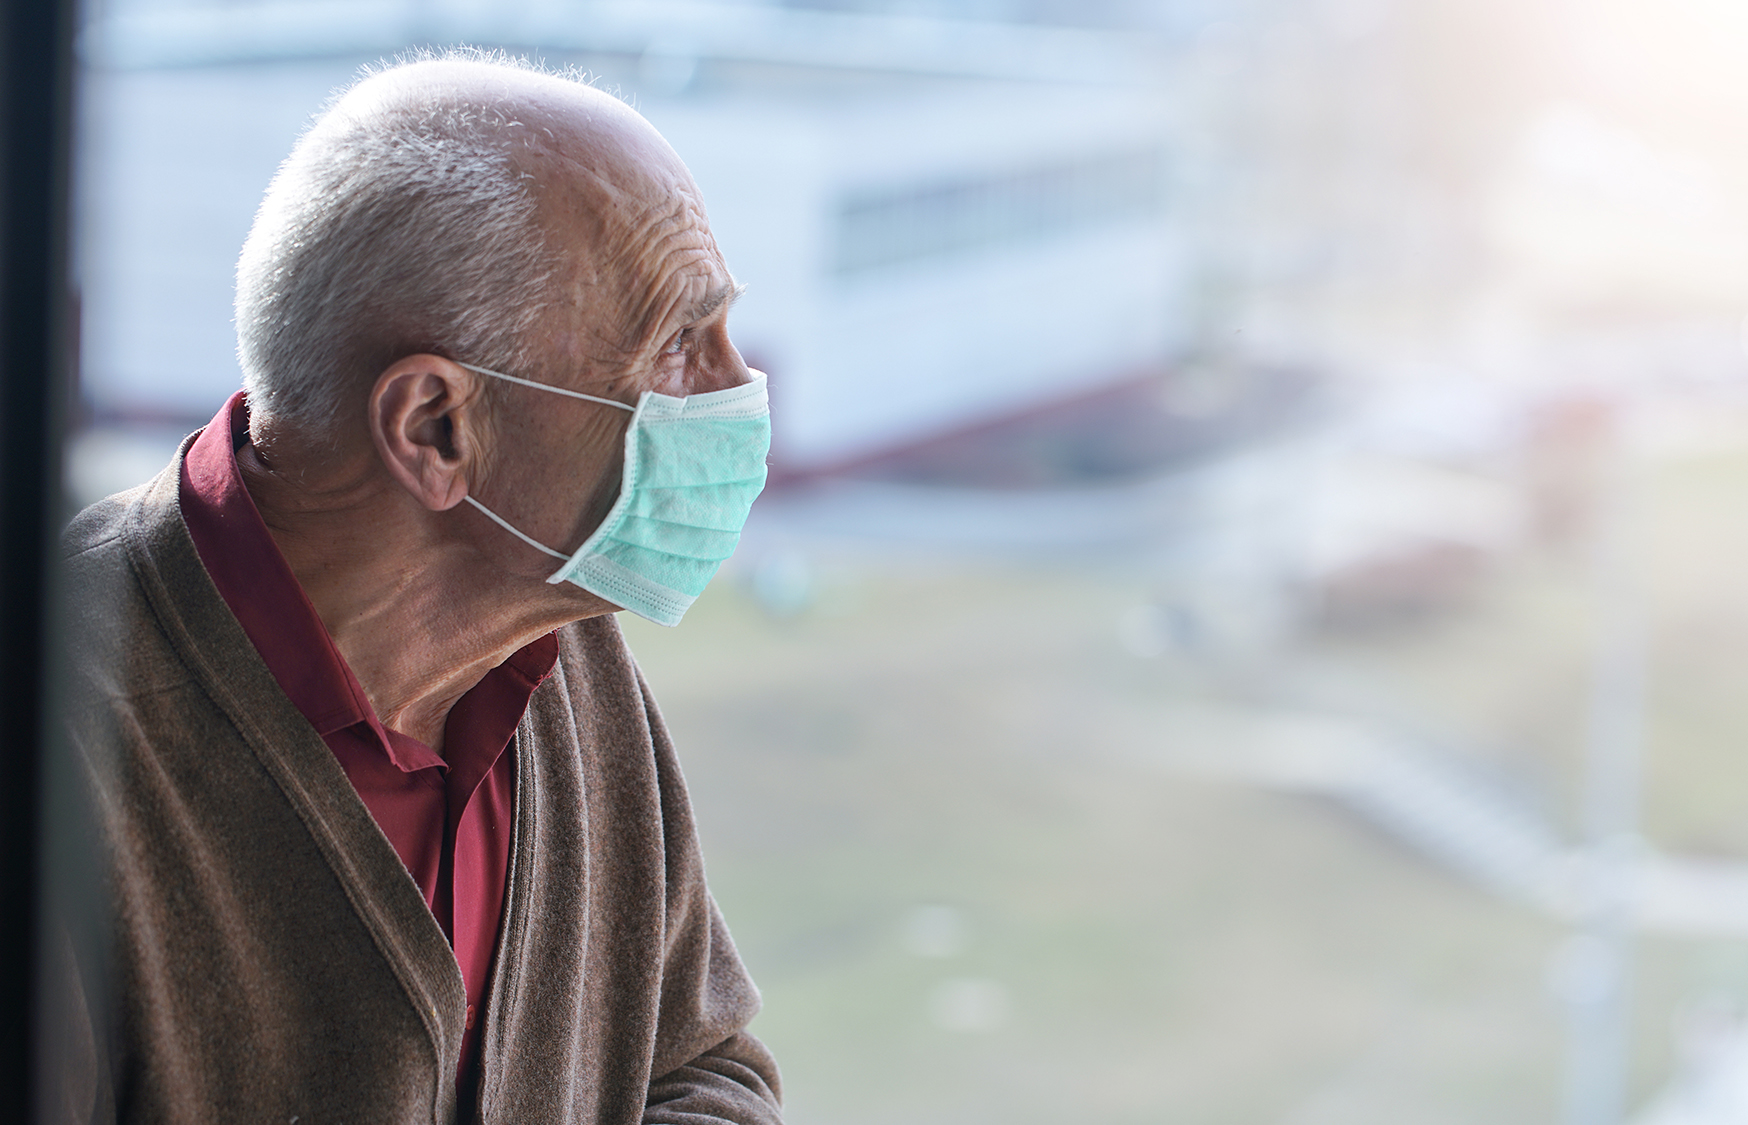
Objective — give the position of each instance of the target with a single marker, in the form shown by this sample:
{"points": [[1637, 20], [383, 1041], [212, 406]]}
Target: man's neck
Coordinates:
{"points": [[419, 613]]}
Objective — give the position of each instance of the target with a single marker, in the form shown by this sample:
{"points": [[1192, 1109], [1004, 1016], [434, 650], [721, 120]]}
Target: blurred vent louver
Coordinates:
{"points": [[888, 226]]}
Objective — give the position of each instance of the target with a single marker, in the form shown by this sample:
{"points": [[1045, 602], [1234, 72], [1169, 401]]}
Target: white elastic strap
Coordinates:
{"points": [[505, 524], [554, 390]]}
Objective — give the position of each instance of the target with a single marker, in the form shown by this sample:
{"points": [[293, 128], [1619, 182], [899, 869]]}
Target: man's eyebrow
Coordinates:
{"points": [[721, 297]]}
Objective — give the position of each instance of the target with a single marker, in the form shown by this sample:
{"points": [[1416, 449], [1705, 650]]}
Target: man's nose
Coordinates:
{"points": [[724, 368]]}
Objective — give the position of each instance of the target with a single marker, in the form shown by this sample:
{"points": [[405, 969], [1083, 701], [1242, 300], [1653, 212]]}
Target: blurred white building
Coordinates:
{"points": [[919, 262], [939, 223]]}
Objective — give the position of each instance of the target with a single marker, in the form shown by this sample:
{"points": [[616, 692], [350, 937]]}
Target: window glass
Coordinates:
{"points": [[1247, 620]]}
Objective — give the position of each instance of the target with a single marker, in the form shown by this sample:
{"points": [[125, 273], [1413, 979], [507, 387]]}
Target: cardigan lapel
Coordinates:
{"points": [[204, 633]]}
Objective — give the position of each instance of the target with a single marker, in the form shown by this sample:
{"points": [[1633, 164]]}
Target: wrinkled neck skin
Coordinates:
{"points": [[417, 608]]}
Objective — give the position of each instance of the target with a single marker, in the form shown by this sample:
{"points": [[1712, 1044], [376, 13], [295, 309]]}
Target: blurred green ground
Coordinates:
{"points": [[1160, 947]]}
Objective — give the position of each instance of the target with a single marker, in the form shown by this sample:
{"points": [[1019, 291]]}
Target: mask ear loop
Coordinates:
{"points": [[548, 387], [505, 524], [495, 517]]}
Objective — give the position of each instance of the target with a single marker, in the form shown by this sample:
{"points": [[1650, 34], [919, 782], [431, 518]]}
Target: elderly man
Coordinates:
{"points": [[392, 827]]}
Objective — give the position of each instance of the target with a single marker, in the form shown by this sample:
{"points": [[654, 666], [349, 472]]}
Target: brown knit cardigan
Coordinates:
{"points": [[272, 959]]}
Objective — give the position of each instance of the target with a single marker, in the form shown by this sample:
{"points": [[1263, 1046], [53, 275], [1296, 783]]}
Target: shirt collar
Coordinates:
{"points": [[256, 582]]}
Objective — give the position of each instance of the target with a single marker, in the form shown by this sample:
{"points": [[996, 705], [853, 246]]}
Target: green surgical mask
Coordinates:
{"points": [[693, 467]]}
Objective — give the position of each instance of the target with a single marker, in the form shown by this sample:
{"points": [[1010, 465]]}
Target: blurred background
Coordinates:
{"points": [[1248, 624]]}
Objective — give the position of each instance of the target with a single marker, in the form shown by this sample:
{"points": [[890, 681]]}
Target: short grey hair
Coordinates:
{"points": [[400, 226]]}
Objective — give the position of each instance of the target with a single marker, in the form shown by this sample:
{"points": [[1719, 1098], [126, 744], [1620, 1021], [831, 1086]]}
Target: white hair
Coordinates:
{"points": [[399, 224]]}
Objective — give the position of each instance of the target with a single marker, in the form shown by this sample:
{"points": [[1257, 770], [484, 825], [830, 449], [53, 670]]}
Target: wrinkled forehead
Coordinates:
{"points": [[625, 215], [611, 181], [616, 204], [592, 156]]}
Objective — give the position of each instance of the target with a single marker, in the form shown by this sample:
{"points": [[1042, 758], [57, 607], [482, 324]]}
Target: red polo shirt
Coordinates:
{"points": [[449, 816]]}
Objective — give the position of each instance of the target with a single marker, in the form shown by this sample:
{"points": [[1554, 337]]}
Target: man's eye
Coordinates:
{"points": [[678, 346]]}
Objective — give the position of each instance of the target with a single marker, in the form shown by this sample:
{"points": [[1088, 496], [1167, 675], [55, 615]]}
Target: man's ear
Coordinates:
{"points": [[424, 418]]}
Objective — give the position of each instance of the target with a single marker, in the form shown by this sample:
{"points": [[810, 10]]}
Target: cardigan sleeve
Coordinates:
{"points": [[707, 996], [735, 1081]]}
